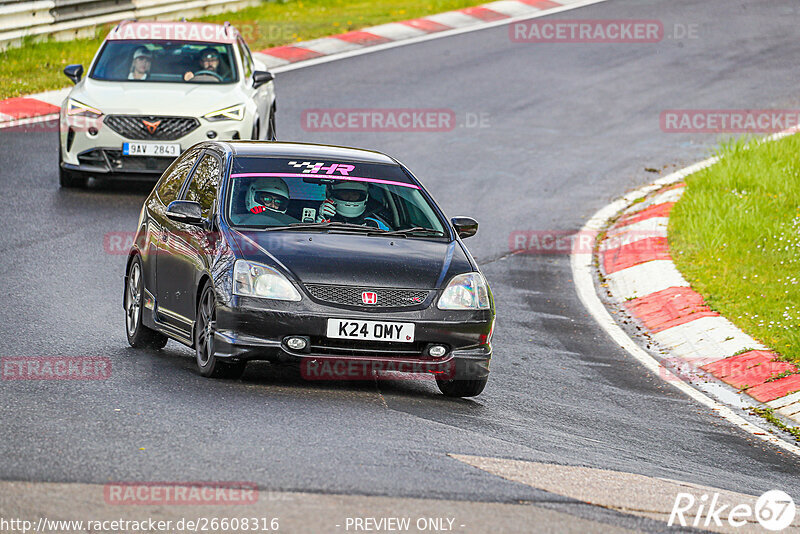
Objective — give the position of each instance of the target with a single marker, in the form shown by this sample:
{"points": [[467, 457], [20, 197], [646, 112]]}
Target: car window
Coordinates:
{"points": [[170, 184], [166, 61], [268, 192], [204, 182], [247, 60]]}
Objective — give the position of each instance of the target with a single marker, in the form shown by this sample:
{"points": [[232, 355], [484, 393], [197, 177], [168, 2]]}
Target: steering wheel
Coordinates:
{"points": [[207, 73]]}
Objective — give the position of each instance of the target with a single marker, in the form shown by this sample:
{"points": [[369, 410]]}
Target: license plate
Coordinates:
{"points": [[172, 150], [371, 330]]}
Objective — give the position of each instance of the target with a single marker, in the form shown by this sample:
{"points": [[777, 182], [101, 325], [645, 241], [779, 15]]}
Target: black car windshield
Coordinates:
{"points": [[166, 61], [280, 193]]}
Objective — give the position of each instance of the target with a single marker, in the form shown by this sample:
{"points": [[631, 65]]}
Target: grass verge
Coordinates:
{"points": [[37, 67], [735, 236]]}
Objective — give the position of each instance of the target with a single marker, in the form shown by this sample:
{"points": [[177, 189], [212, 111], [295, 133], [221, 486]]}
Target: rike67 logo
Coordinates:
{"points": [[774, 511]]}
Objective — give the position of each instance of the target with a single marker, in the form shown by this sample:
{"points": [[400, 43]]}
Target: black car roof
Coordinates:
{"points": [[304, 150]]}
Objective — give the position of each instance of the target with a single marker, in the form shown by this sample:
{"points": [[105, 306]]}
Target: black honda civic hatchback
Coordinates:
{"points": [[335, 258]]}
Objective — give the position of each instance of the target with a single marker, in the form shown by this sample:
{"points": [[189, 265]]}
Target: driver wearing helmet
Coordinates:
{"points": [[209, 63], [347, 202], [269, 196]]}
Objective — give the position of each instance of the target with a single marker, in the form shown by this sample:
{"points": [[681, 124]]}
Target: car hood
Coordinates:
{"points": [[352, 259], [173, 99]]}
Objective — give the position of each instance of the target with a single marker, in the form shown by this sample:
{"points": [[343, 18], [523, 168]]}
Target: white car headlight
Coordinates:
{"points": [[468, 291], [79, 109], [252, 279], [233, 113]]}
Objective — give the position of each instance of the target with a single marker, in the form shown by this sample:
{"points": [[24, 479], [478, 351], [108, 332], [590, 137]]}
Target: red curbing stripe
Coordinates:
{"points": [[541, 4], [292, 53], [362, 38], [484, 14], [670, 307], [22, 108], [749, 369], [775, 390], [426, 25], [641, 251], [657, 210]]}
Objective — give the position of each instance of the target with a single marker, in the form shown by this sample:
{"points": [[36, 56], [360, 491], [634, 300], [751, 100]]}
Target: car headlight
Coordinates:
{"points": [[79, 109], [252, 279], [468, 291], [233, 113]]}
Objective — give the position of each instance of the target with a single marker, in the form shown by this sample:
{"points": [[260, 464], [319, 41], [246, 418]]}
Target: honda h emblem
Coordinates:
{"points": [[151, 126], [368, 297]]}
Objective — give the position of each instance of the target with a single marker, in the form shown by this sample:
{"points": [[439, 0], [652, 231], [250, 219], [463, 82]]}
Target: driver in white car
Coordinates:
{"points": [[209, 63]]}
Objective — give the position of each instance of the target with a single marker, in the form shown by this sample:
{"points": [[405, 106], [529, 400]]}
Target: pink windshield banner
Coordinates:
{"points": [[325, 176]]}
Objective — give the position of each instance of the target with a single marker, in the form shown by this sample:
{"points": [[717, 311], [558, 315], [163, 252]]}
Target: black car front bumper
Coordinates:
{"points": [[252, 329]]}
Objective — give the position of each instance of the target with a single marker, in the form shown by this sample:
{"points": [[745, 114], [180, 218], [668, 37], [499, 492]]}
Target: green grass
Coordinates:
{"points": [[735, 236], [37, 67]]}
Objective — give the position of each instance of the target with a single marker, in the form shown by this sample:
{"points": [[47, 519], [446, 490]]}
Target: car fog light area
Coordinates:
{"points": [[437, 351], [296, 343]]}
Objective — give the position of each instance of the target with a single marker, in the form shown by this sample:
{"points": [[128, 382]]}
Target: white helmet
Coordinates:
{"points": [[267, 194], [349, 197]]}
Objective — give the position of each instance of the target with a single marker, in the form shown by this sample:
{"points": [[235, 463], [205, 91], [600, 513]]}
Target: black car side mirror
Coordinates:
{"points": [[260, 77], [74, 72], [185, 211], [465, 226]]}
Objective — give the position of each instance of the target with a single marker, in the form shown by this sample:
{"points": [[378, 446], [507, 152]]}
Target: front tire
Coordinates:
{"points": [[68, 179], [205, 325], [139, 336], [465, 382]]}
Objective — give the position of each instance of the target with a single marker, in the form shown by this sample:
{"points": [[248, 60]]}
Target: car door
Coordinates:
{"points": [[260, 95], [164, 230], [197, 243]]}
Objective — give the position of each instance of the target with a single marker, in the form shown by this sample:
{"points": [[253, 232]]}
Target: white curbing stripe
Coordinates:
{"points": [[673, 195], [583, 274], [329, 45], [707, 339], [454, 19], [645, 278], [510, 8], [269, 61], [788, 406], [631, 233], [393, 31]]}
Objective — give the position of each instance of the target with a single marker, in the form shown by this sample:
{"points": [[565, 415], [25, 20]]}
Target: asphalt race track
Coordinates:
{"points": [[566, 128]]}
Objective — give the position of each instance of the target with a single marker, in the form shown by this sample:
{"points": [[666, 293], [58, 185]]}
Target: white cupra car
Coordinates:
{"points": [[153, 90]]}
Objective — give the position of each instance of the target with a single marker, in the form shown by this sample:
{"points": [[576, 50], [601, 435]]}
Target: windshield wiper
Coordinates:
{"points": [[417, 231], [327, 226]]}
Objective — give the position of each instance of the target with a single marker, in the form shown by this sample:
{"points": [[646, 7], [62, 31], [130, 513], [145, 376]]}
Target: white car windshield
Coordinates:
{"points": [[166, 61]]}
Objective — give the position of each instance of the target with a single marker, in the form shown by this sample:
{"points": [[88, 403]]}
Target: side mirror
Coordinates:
{"points": [[74, 72], [260, 77], [185, 211], [465, 226]]}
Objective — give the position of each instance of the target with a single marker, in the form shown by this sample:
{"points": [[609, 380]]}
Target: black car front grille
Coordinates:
{"points": [[150, 128], [352, 296]]}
